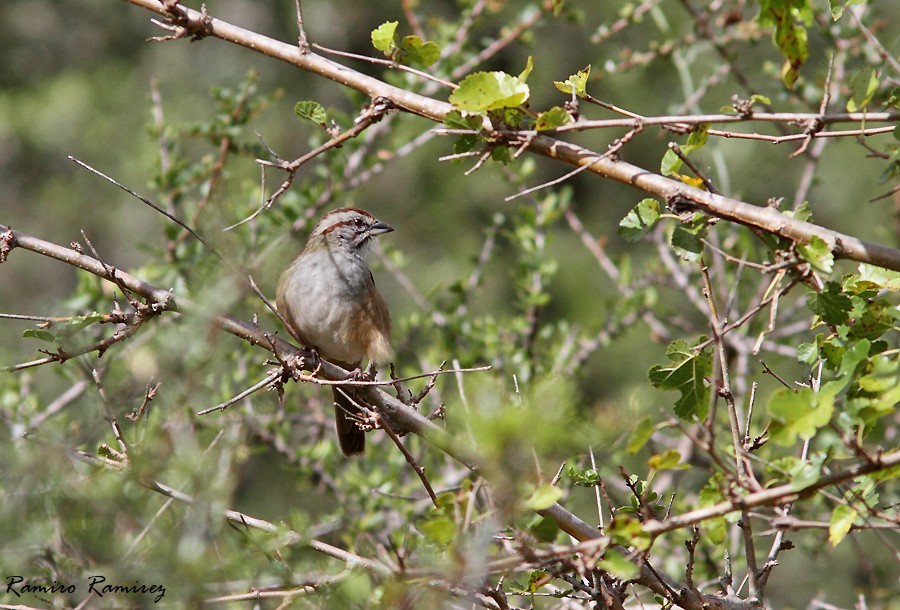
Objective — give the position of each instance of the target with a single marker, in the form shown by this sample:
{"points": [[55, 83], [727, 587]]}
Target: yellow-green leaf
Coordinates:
{"points": [[543, 497], [576, 82], [413, 50], [383, 36], [311, 111], [553, 118], [483, 91], [669, 460], [641, 433], [841, 520], [618, 565], [639, 220]]}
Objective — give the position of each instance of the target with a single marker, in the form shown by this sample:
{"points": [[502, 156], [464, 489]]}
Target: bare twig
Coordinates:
{"points": [[419, 470]]}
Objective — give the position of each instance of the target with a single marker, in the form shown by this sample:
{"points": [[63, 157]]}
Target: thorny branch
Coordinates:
{"points": [[671, 191], [402, 417]]}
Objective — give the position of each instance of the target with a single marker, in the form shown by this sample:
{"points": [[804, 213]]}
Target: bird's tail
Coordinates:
{"points": [[351, 438]]}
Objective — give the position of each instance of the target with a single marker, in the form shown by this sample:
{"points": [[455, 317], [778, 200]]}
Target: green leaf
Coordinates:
{"points": [[799, 414], [877, 318], [669, 460], [524, 74], [801, 212], [414, 50], [641, 433], [544, 529], [687, 238], [837, 7], [818, 254], [543, 497], [628, 532], [696, 139], [639, 220], [710, 495], [879, 277], [830, 303], [553, 118], [576, 82], [841, 520], [863, 86], [456, 120], [311, 111], [439, 530], [619, 566], [789, 18], [588, 477], [670, 164], [686, 373], [40, 335], [383, 37], [483, 91]]}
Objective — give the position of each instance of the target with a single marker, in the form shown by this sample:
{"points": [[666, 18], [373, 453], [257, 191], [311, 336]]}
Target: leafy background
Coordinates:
{"points": [[80, 80]]}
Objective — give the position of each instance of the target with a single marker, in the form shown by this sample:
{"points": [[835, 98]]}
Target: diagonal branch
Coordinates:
{"points": [[671, 191]]}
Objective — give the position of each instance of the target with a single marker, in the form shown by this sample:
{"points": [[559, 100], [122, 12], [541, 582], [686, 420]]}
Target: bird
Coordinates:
{"points": [[328, 301]]}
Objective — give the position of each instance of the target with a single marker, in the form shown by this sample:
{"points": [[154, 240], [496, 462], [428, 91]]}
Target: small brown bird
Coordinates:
{"points": [[329, 301]]}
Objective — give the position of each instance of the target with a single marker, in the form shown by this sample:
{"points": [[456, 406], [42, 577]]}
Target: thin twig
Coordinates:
{"points": [[388, 63], [270, 379], [420, 471], [302, 42]]}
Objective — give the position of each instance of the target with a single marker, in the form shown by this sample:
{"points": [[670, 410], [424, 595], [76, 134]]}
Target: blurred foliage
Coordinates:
{"points": [[585, 297]]}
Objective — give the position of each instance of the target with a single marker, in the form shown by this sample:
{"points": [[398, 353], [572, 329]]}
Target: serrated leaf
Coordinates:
{"points": [[543, 497], [311, 111], [383, 36], [641, 433], [841, 521], [881, 277], [756, 97], [641, 219], [576, 82], [553, 118], [876, 319], [588, 477], [688, 239], [818, 254], [618, 565], [801, 212], [484, 91], [830, 303], [686, 373], [798, 414], [456, 120], [413, 50]]}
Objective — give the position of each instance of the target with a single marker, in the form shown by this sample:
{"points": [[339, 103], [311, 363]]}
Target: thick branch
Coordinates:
{"points": [[403, 417], [764, 218]]}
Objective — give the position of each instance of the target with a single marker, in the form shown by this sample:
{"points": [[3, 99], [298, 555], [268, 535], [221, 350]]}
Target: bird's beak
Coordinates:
{"points": [[380, 227]]}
